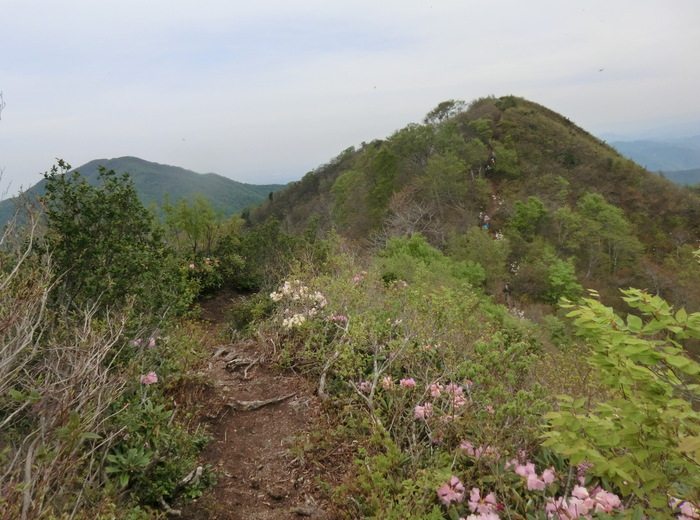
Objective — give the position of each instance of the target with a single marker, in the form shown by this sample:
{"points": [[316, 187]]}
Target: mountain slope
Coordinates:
{"points": [[561, 198], [153, 181]]}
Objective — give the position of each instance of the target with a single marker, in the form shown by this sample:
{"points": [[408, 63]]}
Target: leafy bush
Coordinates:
{"points": [[106, 248], [422, 365], [410, 259], [645, 438], [75, 399]]}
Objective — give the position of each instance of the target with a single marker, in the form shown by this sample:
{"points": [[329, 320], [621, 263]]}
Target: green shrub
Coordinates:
{"points": [[106, 247], [645, 438]]}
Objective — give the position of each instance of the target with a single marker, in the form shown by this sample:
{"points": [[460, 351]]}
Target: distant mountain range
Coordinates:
{"points": [[678, 159], [153, 181]]}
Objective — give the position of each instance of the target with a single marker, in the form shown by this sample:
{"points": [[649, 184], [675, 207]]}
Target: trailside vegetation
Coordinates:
{"points": [[444, 404], [92, 353]]}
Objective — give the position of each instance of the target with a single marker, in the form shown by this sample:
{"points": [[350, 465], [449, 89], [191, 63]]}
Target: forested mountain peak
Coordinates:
{"points": [[153, 181], [550, 191]]}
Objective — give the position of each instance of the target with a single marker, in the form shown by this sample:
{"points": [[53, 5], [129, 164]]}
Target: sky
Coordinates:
{"points": [[264, 91]]}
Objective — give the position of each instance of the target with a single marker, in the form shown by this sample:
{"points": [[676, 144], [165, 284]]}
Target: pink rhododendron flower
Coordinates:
{"points": [[580, 492], [483, 506], [606, 502], [566, 509], [423, 412], [407, 384], [478, 452], [525, 469], [688, 510], [150, 378], [534, 483], [583, 503], [359, 277], [191, 266], [548, 476], [365, 386], [453, 389], [458, 401], [490, 409], [581, 470], [452, 491], [467, 446], [435, 389], [151, 342], [137, 342]]}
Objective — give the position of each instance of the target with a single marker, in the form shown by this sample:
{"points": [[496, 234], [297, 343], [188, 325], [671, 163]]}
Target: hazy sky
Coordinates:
{"points": [[264, 91]]}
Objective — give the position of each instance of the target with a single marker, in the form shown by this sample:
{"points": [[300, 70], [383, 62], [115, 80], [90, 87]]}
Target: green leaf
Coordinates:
{"points": [[17, 395], [638, 513], [653, 326], [680, 362], [690, 445], [658, 501], [634, 323], [681, 317]]}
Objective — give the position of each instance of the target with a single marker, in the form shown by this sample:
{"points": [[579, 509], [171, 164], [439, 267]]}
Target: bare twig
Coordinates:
{"points": [[246, 406], [191, 479], [168, 509], [324, 373]]}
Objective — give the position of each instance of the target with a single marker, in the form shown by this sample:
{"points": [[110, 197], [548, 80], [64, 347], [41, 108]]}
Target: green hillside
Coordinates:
{"points": [[153, 181], [555, 193]]}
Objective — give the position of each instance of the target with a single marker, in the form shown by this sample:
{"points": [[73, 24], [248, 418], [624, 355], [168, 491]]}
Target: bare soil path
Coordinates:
{"points": [[253, 450]]}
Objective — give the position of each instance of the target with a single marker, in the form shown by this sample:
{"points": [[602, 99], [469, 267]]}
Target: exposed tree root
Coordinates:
{"points": [[246, 406]]}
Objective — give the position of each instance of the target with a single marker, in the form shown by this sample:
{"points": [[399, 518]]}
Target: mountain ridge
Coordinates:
{"points": [[552, 187], [153, 181], [662, 155]]}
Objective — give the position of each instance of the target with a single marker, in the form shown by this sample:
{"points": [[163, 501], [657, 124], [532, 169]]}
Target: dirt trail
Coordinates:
{"points": [[259, 477]]}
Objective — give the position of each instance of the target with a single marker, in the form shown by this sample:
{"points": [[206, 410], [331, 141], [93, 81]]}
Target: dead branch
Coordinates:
{"points": [[168, 509], [221, 350], [234, 363], [246, 406], [322, 381], [191, 479]]}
